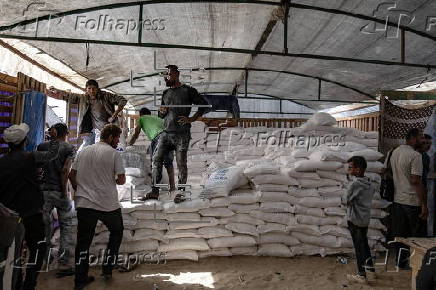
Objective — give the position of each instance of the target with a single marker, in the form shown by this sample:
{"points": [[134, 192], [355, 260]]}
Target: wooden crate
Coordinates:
{"points": [[8, 92]]}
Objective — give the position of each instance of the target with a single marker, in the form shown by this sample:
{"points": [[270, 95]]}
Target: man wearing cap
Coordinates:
{"points": [[96, 109], [20, 192], [177, 99]]}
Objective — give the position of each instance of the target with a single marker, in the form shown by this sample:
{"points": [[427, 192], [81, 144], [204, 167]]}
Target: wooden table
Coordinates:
{"points": [[418, 249]]}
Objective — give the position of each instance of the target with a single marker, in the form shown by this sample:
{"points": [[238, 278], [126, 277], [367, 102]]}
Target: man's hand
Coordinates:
{"points": [[6, 212], [53, 133], [424, 212], [111, 119], [53, 93], [185, 120], [163, 110]]}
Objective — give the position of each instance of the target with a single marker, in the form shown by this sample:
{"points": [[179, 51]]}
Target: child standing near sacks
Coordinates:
{"points": [[359, 197]]}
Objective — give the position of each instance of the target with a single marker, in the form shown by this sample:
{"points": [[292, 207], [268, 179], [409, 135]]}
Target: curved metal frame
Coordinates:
{"points": [[259, 70], [256, 2], [221, 49]]}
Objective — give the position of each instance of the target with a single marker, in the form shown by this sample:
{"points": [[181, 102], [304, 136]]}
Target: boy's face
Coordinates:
{"points": [[92, 91], [353, 170]]}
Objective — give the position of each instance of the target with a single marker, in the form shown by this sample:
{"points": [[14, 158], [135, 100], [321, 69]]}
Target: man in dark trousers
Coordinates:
{"points": [[94, 176], [20, 192], [409, 209], [55, 177], [423, 149], [177, 100]]}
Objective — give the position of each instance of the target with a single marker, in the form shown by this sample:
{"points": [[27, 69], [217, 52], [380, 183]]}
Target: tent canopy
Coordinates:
{"points": [[311, 52]]}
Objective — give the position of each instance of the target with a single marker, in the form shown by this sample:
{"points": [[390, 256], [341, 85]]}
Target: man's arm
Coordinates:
{"points": [[163, 111], [351, 194], [135, 135], [119, 169], [42, 157], [63, 95], [118, 100], [72, 176], [416, 182], [121, 179], [196, 99], [65, 172]]}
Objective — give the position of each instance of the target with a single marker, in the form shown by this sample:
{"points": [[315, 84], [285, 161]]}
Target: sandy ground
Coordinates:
{"points": [[240, 272]]}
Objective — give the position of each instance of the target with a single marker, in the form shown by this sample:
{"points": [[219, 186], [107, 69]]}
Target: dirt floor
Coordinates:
{"points": [[241, 272]]}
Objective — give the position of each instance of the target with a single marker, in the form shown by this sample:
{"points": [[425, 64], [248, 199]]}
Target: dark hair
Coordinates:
{"points": [[172, 67], [358, 161], [110, 130], [144, 111], [412, 133], [426, 136], [91, 83], [61, 129]]}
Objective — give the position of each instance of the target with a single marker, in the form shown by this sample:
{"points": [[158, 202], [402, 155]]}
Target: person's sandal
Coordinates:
{"points": [[65, 273], [180, 197], [149, 196]]}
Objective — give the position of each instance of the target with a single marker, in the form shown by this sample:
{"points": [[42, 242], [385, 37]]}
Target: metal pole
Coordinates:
{"points": [[403, 46], [141, 10], [246, 82], [319, 89], [285, 23]]}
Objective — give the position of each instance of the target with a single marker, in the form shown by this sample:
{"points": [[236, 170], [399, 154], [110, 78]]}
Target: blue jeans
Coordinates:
{"points": [[90, 139], [168, 143], [66, 215], [167, 159]]}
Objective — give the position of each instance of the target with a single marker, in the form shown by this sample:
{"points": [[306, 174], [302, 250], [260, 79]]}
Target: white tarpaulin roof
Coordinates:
{"points": [[106, 43]]}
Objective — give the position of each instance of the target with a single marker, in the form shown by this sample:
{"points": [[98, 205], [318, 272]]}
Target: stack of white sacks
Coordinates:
{"points": [[259, 200], [138, 174]]}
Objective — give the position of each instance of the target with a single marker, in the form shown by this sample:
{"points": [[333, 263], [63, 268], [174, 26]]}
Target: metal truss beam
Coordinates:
{"points": [[220, 49], [251, 2], [258, 70]]}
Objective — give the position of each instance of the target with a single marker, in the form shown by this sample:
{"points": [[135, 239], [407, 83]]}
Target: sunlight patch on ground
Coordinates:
{"points": [[203, 278]]}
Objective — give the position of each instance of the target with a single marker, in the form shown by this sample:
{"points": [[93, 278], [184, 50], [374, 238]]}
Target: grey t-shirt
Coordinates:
{"points": [[53, 169], [183, 95], [97, 167], [405, 161], [99, 115]]}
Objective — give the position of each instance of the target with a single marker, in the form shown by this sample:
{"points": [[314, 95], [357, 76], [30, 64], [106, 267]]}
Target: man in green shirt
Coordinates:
{"points": [[152, 126]]}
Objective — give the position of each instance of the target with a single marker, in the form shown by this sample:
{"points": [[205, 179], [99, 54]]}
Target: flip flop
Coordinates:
{"points": [[65, 273], [149, 196], [179, 198]]}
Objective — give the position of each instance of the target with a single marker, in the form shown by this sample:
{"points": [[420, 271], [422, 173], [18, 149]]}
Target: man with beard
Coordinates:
{"points": [[409, 209], [94, 176], [177, 102]]}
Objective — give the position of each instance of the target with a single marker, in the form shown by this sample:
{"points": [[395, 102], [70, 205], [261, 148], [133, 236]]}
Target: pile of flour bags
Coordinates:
{"points": [[272, 198]]}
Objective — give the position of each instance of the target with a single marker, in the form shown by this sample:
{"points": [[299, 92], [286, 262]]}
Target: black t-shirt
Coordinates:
{"points": [[52, 176], [180, 96], [19, 189]]}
